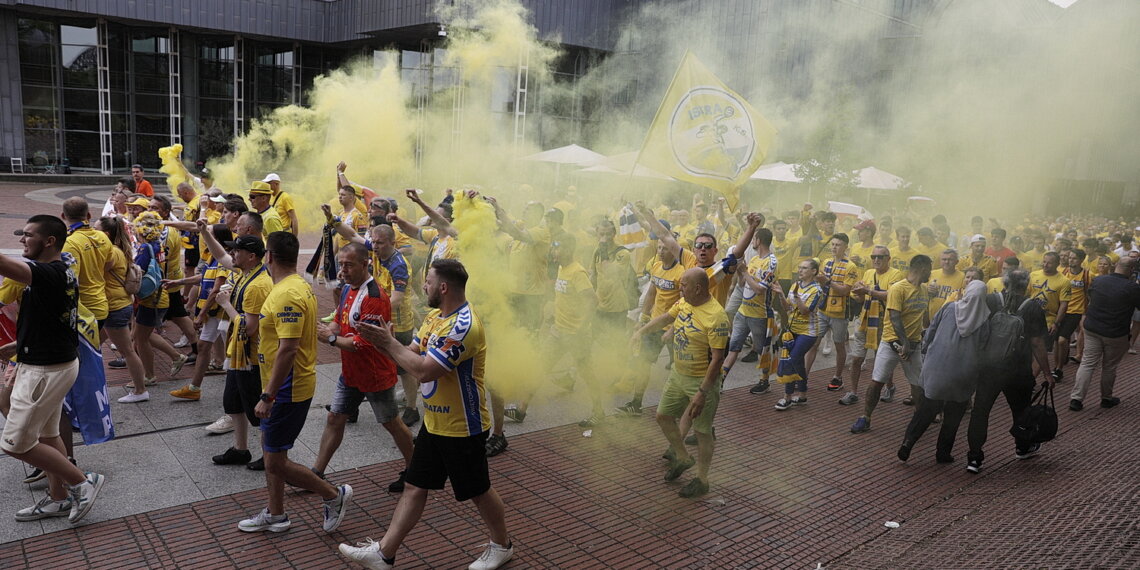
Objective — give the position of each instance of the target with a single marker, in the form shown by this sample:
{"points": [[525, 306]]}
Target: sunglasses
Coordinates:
{"points": [[704, 245], [879, 256]]}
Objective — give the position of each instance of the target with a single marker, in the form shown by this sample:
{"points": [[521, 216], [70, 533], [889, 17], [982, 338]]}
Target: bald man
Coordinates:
{"points": [[692, 393]]}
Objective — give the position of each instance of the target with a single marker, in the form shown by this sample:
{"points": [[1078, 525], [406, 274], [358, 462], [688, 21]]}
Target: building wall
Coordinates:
{"points": [[11, 100]]}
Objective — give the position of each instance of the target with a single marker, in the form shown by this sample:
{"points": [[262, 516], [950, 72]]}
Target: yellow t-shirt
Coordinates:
{"points": [[720, 282], [353, 219], [988, 265], [995, 285], [901, 259], [455, 403], [11, 291], [527, 262], [934, 252], [1049, 290], [874, 311], [282, 204], [947, 285], [91, 250], [117, 296], [913, 302], [667, 282], [696, 330], [1078, 291], [270, 222], [290, 311], [840, 271], [1031, 260], [759, 305], [250, 291], [785, 252], [570, 288], [616, 285], [172, 249], [862, 253]]}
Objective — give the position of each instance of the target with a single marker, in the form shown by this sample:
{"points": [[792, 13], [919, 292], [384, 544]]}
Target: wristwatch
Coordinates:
{"points": [[332, 340], [266, 398]]}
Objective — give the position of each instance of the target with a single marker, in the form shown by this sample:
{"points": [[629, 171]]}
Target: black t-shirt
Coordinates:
{"points": [[45, 330], [1033, 316]]}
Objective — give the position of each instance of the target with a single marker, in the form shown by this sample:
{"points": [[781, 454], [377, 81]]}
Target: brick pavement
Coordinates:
{"points": [[790, 490]]}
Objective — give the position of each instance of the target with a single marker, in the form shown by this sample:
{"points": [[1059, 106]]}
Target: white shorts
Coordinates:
{"points": [[213, 329], [37, 402], [886, 359]]}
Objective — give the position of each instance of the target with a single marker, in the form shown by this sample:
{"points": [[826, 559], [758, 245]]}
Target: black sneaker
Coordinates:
{"points": [[1027, 452], [258, 465], [1111, 402], [760, 387], [677, 467], [904, 452], [835, 384], [36, 475], [117, 364], [974, 466], [1057, 374], [629, 409], [411, 416], [233, 457], [192, 358], [1076, 405], [397, 486], [669, 455], [750, 357], [592, 421], [496, 444]]}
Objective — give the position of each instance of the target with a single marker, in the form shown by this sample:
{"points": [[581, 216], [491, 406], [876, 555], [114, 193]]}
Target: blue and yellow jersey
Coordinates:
{"points": [[290, 311], [696, 330], [455, 403], [812, 296], [210, 278], [874, 311], [842, 271], [759, 305], [440, 246]]}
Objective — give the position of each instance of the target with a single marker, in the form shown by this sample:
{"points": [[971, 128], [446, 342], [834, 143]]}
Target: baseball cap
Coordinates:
{"points": [[251, 244], [977, 238], [205, 173], [217, 198], [260, 188], [271, 177], [865, 225], [140, 201]]}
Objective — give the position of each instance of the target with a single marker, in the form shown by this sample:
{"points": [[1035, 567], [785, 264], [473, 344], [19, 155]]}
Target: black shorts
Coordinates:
{"points": [[177, 307], [405, 338], [463, 460], [1067, 324], [243, 388], [280, 430]]}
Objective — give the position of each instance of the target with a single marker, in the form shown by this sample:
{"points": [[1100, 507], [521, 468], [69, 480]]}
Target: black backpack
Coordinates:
{"points": [[1007, 333]]}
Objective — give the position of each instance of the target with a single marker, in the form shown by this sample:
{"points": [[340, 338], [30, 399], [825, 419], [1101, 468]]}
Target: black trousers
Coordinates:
{"points": [[924, 412], [1018, 390]]}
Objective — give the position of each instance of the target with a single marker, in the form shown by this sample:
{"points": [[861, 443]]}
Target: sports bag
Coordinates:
{"points": [[1038, 422]]}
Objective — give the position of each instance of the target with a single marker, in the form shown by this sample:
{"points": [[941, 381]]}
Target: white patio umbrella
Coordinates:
{"points": [[874, 179], [622, 164], [569, 154], [777, 171], [845, 209]]}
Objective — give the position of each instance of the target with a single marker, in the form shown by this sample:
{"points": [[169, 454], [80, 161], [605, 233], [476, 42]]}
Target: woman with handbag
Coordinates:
{"points": [[122, 276]]}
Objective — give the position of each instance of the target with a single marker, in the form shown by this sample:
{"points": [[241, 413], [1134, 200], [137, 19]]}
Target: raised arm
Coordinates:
{"points": [[437, 220], [652, 224]]}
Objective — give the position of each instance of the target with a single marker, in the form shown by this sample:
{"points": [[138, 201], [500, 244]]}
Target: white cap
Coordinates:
{"points": [[977, 238], [271, 177]]}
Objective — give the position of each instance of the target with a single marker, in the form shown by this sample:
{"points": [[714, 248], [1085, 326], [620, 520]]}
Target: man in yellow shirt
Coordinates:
{"points": [[860, 251], [979, 259], [783, 247], [282, 204], [448, 357], [92, 252], [996, 284], [692, 393], [1079, 281], [816, 233], [837, 276], [871, 293], [902, 254], [907, 310], [287, 358], [1031, 260], [928, 244], [260, 198], [945, 281]]}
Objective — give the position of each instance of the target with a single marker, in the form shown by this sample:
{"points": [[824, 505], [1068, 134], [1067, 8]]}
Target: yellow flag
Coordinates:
{"points": [[705, 133]]}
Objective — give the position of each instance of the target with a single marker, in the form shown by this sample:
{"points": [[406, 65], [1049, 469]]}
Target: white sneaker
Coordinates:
{"points": [[132, 398], [492, 558], [46, 508], [367, 553], [114, 348], [334, 509], [224, 424], [176, 365], [264, 521], [83, 496], [182, 342]]}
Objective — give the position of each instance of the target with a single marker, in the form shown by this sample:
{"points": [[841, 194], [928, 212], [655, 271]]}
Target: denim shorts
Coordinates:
{"points": [[119, 318], [150, 317], [347, 399]]}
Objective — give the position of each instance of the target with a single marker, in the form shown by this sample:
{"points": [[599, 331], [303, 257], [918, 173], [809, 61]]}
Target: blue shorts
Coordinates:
{"points": [[280, 430], [119, 318], [149, 317]]}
